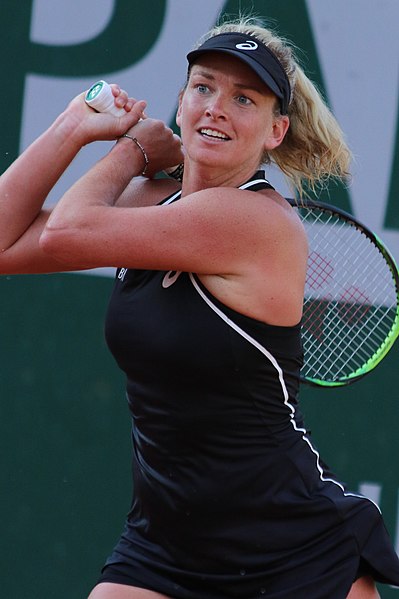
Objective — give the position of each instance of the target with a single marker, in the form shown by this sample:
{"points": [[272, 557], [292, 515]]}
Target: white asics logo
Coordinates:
{"points": [[170, 278], [248, 45]]}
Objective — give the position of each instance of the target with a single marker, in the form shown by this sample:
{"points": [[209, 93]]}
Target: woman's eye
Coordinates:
{"points": [[243, 100], [202, 89]]}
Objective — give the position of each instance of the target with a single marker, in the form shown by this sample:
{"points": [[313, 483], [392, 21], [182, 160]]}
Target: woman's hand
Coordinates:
{"points": [[162, 146], [88, 125]]}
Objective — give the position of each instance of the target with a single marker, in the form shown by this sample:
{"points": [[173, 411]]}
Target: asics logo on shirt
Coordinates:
{"points": [[170, 278]]}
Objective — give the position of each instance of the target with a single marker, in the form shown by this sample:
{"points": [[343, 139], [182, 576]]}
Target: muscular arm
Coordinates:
{"points": [[26, 184], [244, 244]]}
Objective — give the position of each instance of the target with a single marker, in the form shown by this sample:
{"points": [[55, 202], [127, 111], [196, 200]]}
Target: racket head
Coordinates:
{"points": [[351, 301]]}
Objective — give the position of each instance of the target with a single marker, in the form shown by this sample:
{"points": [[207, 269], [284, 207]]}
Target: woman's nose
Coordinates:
{"points": [[216, 108]]}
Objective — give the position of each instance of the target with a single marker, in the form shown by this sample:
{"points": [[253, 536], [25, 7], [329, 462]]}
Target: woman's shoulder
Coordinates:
{"points": [[278, 207], [265, 208]]}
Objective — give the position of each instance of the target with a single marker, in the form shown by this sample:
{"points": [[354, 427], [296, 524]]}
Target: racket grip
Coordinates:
{"points": [[100, 98]]}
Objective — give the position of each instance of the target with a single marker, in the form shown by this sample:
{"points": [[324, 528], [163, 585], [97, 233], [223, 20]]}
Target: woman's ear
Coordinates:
{"points": [[279, 129], [179, 109]]}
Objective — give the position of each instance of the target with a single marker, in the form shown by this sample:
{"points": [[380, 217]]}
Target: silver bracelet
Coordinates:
{"points": [[138, 144]]}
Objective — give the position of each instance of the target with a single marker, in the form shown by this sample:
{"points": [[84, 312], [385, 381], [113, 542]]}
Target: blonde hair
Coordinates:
{"points": [[314, 149]]}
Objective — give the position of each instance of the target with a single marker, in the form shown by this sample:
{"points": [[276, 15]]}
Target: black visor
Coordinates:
{"points": [[256, 55]]}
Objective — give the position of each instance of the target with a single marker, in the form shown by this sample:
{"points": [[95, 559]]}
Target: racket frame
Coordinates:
{"points": [[382, 351]]}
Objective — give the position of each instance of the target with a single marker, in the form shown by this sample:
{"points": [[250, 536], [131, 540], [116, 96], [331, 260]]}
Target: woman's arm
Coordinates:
{"points": [[248, 248], [213, 231], [26, 184]]}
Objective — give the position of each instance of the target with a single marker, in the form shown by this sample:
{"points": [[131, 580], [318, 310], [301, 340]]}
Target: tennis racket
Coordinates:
{"points": [[351, 305]]}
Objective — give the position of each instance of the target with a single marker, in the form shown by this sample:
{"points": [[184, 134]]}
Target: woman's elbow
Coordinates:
{"points": [[56, 243], [68, 247]]}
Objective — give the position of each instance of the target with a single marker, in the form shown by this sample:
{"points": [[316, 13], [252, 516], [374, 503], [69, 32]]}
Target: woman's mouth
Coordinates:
{"points": [[214, 134]]}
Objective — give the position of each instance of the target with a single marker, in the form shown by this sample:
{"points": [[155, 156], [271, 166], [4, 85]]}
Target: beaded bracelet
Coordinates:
{"points": [[138, 144]]}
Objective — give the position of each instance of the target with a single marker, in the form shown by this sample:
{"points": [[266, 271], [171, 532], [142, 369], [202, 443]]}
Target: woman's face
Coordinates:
{"points": [[227, 115]]}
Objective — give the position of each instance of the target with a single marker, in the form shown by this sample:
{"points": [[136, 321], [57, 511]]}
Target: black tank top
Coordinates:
{"points": [[213, 398], [231, 499]]}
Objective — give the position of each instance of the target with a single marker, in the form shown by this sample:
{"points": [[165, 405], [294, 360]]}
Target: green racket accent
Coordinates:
{"points": [[94, 91], [351, 305]]}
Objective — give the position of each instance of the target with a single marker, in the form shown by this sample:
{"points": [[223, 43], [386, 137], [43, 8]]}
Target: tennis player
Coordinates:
{"points": [[231, 498]]}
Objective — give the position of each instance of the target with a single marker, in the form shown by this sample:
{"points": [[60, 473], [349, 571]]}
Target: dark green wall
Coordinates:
{"points": [[64, 422]]}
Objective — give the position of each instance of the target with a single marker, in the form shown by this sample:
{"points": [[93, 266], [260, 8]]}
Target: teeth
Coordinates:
{"points": [[212, 133]]}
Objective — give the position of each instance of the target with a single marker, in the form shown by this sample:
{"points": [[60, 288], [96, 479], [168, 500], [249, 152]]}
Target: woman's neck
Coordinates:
{"points": [[198, 178]]}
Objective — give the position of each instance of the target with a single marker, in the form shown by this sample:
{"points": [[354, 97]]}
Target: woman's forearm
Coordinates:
{"points": [[102, 185], [149, 146], [26, 184]]}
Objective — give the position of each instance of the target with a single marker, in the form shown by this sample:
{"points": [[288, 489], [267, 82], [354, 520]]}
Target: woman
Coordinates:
{"points": [[230, 497]]}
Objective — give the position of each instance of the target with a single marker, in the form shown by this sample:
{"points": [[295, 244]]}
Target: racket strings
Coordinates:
{"points": [[337, 358], [344, 326], [344, 347], [345, 354]]}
